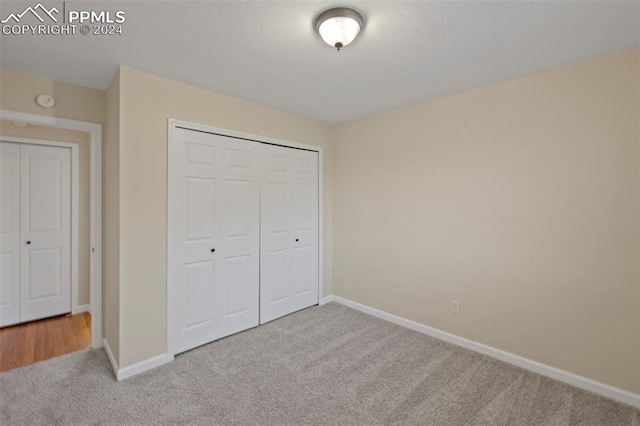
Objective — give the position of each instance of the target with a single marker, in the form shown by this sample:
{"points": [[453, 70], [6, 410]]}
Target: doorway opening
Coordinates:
{"points": [[50, 288]]}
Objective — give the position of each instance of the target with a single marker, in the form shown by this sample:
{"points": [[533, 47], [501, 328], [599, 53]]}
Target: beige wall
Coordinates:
{"points": [[146, 103], [520, 200], [111, 222], [18, 91], [84, 190]]}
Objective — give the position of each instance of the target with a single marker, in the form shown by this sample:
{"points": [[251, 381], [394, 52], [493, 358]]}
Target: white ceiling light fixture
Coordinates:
{"points": [[338, 27]]}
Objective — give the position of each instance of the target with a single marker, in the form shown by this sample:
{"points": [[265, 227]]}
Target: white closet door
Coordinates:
{"points": [[215, 257], [45, 179], [9, 233], [289, 231]]}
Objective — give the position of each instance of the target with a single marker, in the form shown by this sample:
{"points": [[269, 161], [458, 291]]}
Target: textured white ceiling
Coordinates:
{"points": [[268, 52]]}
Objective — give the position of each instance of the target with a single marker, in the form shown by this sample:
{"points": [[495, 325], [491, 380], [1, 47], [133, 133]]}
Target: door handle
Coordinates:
{"points": [[28, 242], [297, 240], [213, 250]]}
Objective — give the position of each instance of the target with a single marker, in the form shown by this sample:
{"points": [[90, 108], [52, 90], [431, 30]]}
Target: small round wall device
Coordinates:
{"points": [[45, 101]]}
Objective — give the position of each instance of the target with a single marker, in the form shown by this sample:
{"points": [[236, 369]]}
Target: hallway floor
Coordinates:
{"points": [[25, 344]]}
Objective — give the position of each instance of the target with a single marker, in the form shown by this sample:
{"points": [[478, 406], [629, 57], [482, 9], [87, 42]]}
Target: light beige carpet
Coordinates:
{"points": [[324, 365]]}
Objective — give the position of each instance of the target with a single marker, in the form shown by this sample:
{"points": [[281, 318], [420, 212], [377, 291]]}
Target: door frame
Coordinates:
{"points": [[75, 238], [95, 216], [171, 126]]}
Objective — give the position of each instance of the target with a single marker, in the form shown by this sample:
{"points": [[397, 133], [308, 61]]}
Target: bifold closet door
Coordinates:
{"points": [[216, 187], [35, 227], [289, 231]]}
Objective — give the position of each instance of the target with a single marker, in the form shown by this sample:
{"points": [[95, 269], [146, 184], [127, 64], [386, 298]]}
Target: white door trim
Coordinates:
{"points": [[95, 135], [171, 125], [75, 168]]}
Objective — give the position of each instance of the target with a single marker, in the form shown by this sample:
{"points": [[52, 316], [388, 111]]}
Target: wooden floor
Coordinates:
{"points": [[25, 344]]}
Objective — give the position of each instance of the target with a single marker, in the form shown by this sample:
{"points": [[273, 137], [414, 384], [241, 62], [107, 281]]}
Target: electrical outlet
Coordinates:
{"points": [[455, 307]]}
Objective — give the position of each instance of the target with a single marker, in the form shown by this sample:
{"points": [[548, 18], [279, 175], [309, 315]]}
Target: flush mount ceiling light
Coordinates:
{"points": [[339, 26]]}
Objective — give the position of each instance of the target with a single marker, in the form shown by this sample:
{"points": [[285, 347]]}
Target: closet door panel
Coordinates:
{"points": [[238, 286], [276, 242], [276, 211], [305, 228], [240, 246], [216, 238], [9, 233], [276, 278], [303, 264], [289, 226], [46, 231], [199, 282], [197, 229]]}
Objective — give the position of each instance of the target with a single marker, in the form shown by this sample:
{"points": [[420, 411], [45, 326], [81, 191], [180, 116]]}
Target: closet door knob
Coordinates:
{"points": [[28, 242], [213, 250], [297, 240]]}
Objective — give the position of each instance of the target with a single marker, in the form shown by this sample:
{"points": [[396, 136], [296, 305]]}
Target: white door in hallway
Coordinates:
{"points": [[9, 233], [289, 231], [36, 232], [215, 249], [45, 180]]}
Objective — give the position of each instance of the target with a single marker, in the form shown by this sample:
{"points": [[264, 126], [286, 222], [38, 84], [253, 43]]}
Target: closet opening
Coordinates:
{"points": [[244, 246]]}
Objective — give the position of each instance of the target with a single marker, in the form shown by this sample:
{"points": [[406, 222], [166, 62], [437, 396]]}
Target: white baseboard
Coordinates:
{"points": [[137, 368], [112, 359], [142, 366], [546, 370], [82, 308], [326, 299]]}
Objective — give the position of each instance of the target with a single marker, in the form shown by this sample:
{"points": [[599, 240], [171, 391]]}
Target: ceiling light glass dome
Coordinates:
{"points": [[339, 27]]}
